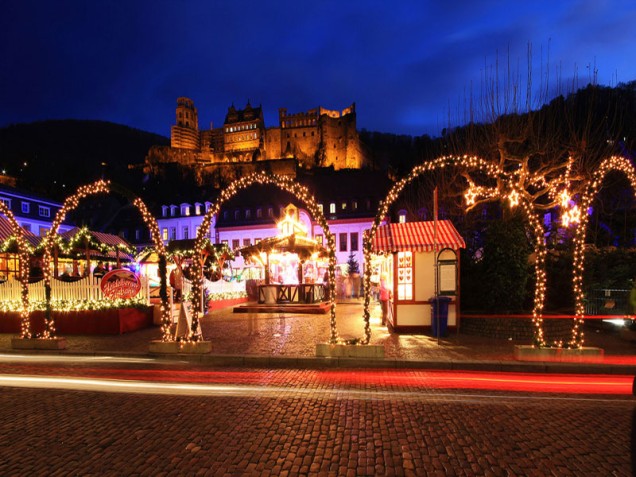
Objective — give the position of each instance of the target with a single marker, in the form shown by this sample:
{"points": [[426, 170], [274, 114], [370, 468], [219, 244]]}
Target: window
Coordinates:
{"points": [[354, 205], [137, 234], [343, 206], [197, 209], [237, 214], [321, 208], [354, 241], [43, 231], [208, 206], [6, 202], [235, 244], [248, 214], [270, 212], [185, 210], [343, 242], [402, 216], [332, 208], [246, 242], [164, 211], [173, 233], [44, 211], [26, 207], [173, 210], [186, 232], [225, 215], [319, 239], [256, 240], [164, 234], [259, 213], [27, 227], [405, 276]]}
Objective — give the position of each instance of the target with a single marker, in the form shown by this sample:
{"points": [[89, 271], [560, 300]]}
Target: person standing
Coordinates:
{"points": [[385, 298]]}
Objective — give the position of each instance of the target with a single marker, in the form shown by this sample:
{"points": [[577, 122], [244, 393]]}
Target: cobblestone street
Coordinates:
{"points": [[307, 428]]}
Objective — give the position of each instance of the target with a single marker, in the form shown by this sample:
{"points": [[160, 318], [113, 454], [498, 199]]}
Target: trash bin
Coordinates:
{"points": [[439, 313]]}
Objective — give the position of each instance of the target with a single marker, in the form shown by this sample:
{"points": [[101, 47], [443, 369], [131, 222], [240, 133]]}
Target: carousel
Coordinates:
{"points": [[294, 270]]}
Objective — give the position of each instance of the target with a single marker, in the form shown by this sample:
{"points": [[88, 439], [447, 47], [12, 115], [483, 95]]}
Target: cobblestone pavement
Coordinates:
{"points": [[303, 429], [273, 334]]}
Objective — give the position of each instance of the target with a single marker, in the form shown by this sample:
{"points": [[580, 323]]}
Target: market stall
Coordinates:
{"points": [[419, 261]]}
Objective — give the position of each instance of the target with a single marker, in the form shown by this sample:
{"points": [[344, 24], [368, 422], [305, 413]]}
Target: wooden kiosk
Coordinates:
{"points": [[420, 261]]}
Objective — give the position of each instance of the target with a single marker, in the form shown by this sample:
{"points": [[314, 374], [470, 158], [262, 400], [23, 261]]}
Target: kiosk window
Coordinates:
{"points": [[405, 276]]}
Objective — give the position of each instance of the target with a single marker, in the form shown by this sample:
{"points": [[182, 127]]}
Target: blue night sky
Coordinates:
{"points": [[404, 63]]}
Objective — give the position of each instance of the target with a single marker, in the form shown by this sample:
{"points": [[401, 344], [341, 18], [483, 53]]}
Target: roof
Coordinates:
{"points": [[303, 246], [6, 232], [417, 237]]}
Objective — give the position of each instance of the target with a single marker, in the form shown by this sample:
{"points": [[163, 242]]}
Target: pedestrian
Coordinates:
{"points": [[176, 282], [385, 298]]}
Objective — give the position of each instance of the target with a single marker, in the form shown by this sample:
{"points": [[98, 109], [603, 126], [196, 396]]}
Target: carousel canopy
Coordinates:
{"points": [[302, 246], [417, 237]]}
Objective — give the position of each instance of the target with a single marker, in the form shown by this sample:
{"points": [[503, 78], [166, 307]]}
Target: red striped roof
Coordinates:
{"points": [[417, 237], [6, 232]]}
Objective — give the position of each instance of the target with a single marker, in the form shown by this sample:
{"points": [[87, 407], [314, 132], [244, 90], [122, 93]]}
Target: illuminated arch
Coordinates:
{"points": [[71, 204], [614, 163], [284, 183], [493, 171], [23, 272]]}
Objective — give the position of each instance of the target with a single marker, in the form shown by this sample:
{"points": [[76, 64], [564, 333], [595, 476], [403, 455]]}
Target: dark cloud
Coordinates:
{"points": [[405, 64]]}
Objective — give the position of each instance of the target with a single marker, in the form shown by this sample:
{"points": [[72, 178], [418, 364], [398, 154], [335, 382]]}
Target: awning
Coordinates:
{"points": [[417, 237]]}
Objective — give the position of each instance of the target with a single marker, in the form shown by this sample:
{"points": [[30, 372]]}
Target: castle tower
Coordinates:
{"points": [[185, 134]]}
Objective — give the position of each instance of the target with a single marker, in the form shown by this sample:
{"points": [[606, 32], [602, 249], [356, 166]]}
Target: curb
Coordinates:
{"points": [[305, 362]]}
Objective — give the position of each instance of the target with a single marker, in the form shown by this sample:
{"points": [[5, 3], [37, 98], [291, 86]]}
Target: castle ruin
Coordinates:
{"points": [[317, 138]]}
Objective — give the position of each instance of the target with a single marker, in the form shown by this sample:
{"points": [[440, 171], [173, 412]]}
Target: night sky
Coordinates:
{"points": [[405, 64]]}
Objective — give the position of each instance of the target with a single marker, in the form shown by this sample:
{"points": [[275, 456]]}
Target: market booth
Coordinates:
{"points": [[420, 261]]}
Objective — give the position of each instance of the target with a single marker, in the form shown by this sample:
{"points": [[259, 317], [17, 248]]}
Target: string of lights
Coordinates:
{"points": [[304, 196]]}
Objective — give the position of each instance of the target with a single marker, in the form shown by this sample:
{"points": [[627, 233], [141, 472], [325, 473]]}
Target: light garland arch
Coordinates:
{"points": [[70, 204], [23, 271], [515, 197], [284, 183], [613, 163]]}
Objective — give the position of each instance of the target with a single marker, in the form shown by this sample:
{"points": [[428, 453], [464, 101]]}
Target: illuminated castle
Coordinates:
{"points": [[317, 138]]}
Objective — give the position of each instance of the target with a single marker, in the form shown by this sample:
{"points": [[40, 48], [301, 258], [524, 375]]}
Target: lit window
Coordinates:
{"points": [[332, 208], [185, 210], [354, 205], [26, 207], [402, 216], [405, 276], [319, 239], [44, 211], [343, 206], [197, 209], [164, 234], [321, 208]]}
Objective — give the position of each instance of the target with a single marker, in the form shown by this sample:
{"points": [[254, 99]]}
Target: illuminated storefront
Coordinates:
{"points": [[419, 261]]}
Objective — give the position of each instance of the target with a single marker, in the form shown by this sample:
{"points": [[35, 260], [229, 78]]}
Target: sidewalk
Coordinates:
{"points": [[289, 340]]}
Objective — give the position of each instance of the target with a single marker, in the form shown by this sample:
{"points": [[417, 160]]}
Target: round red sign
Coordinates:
{"points": [[120, 283]]}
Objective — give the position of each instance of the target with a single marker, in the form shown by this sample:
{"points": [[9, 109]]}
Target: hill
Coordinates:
{"points": [[54, 157]]}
